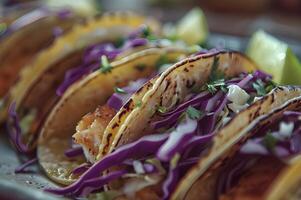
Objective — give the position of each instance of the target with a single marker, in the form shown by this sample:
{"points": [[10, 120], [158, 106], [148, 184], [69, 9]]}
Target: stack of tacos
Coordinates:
{"points": [[112, 107], [163, 141]]}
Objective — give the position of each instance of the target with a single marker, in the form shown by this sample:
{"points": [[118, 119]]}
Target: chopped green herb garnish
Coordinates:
{"points": [[161, 61], [119, 42], [146, 31], [161, 109], [269, 141], [105, 66], [140, 67], [3, 28], [258, 85], [224, 88], [213, 86], [194, 113], [119, 90], [270, 86], [138, 104]]}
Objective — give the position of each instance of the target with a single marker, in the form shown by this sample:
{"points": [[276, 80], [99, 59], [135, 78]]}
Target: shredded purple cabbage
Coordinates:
{"points": [[269, 140], [34, 16], [15, 132], [92, 56], [95, 183], [117, 100], [177, 140], [73, 152], [188, 139], [285, 142], [81, 168], [22, 168], [139, 148]]}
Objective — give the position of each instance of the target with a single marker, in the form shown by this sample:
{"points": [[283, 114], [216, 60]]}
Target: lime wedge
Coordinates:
{"points": [[274, 57], [192, 28]]}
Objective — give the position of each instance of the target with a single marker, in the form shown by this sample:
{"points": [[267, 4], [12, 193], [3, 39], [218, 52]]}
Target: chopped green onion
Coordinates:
{"points": [[105, 66]]}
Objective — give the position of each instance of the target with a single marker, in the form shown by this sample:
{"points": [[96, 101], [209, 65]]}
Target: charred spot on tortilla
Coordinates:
{"points": [[115, 125], [186, 69], [190, 85], [123, 112], [167, 84], [128, 106], [140, 67]]}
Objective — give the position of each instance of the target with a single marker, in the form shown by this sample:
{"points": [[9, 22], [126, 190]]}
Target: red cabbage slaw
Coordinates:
{"points": [[118, 99], [15, 132], [280, 139], [181, 144], [92, 55], [33, 16]]}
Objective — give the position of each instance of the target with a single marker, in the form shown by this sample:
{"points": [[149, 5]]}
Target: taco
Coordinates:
{"points": [[286, 186], [86, 95], [69, 59], [22, 36], [170, 129], [256, 160]]}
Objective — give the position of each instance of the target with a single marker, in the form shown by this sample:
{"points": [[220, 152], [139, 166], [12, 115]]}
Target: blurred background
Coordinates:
{"points": [[279, 17]]}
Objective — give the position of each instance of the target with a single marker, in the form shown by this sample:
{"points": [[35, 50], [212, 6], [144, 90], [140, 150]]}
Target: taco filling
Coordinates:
{"points": [[179, 137], [96, 57], [106, 52], [261, 159]]}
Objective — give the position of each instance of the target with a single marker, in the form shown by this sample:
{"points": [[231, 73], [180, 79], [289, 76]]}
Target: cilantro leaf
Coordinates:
{"points": [[270, 86], [119, 90], [213, 86], [194, 113], [119, 42], [258, 85], [138, 104], [105, 66], [269, 141]]}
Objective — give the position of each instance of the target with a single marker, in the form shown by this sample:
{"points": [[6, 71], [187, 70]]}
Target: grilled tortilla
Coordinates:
{"points": [[35, 93]]}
